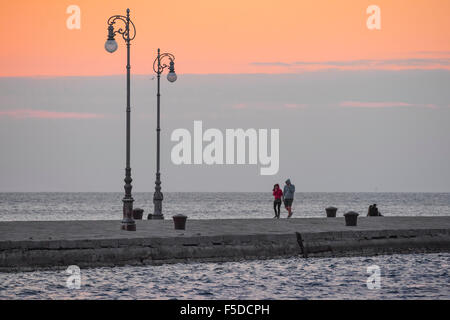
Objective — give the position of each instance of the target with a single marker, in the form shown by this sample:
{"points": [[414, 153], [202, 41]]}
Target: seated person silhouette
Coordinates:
{"points": [[373, 211]]}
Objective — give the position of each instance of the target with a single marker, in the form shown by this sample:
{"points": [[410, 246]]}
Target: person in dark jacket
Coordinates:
{"points": [[288, 196]]}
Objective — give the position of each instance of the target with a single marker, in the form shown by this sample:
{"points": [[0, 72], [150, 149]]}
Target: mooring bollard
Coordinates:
{"points": [[137, 213], [350, 218], [331, 212], [179, 221]]}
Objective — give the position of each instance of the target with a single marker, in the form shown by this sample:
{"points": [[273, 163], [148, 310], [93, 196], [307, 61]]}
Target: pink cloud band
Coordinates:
{"points": [[265, 106], [43, 114], [387, 104]]}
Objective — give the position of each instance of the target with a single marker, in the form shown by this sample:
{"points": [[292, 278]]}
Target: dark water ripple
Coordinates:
{"points": [[402, 277]]}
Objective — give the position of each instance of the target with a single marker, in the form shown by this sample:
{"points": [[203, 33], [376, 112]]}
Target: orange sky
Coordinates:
{"points": [[212, 36]]}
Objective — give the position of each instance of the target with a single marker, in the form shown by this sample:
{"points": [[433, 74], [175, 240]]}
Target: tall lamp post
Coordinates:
{"points": [[159, 65], [128, 34]]}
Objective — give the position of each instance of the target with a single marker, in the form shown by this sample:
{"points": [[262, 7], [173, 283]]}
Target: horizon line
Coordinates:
{"points": [[445, 70], [269, 191]]}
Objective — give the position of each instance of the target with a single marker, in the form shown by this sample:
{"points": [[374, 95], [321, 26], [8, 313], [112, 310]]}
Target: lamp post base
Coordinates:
{"points": [[128, 226], [157, 198]]}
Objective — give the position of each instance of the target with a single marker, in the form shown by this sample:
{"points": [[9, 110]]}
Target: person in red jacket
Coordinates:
{"points": [[277, 193]]}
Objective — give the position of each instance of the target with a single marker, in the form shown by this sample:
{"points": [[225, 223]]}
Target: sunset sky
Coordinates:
{"points": [[233, 36], [357, 109]]}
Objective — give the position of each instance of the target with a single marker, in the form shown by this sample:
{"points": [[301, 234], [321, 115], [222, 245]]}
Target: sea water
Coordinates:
{"points": [[410, 276]]}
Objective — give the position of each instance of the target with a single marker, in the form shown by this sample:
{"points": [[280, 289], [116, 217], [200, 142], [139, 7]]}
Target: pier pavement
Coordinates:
{"points": [[29, 245]]}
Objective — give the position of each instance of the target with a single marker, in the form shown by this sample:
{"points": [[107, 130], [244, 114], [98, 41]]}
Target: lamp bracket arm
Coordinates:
{"points": [[159, 68], [126, 32]]}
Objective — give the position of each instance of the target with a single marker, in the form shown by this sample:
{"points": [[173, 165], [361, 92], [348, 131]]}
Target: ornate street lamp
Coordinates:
{"points": [[128, 34], [158, 66]]}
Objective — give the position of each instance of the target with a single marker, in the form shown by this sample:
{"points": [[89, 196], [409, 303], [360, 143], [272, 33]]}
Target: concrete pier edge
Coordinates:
{"points": [[27, 246]]}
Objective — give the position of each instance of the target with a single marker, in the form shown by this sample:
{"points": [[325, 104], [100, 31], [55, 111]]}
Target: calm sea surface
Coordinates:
{"points": [[101, 206], [413, 276]]}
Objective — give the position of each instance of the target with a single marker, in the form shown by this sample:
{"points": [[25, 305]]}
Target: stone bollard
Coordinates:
{"points": [[179, 221], [331, 212], [137, 213], [351, 218]]}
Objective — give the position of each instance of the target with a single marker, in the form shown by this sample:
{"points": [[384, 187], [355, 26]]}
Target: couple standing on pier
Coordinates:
{"points": [[287, 195]]}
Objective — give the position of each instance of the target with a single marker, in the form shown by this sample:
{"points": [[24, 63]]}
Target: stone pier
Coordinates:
{"points": [[29, 245]]}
